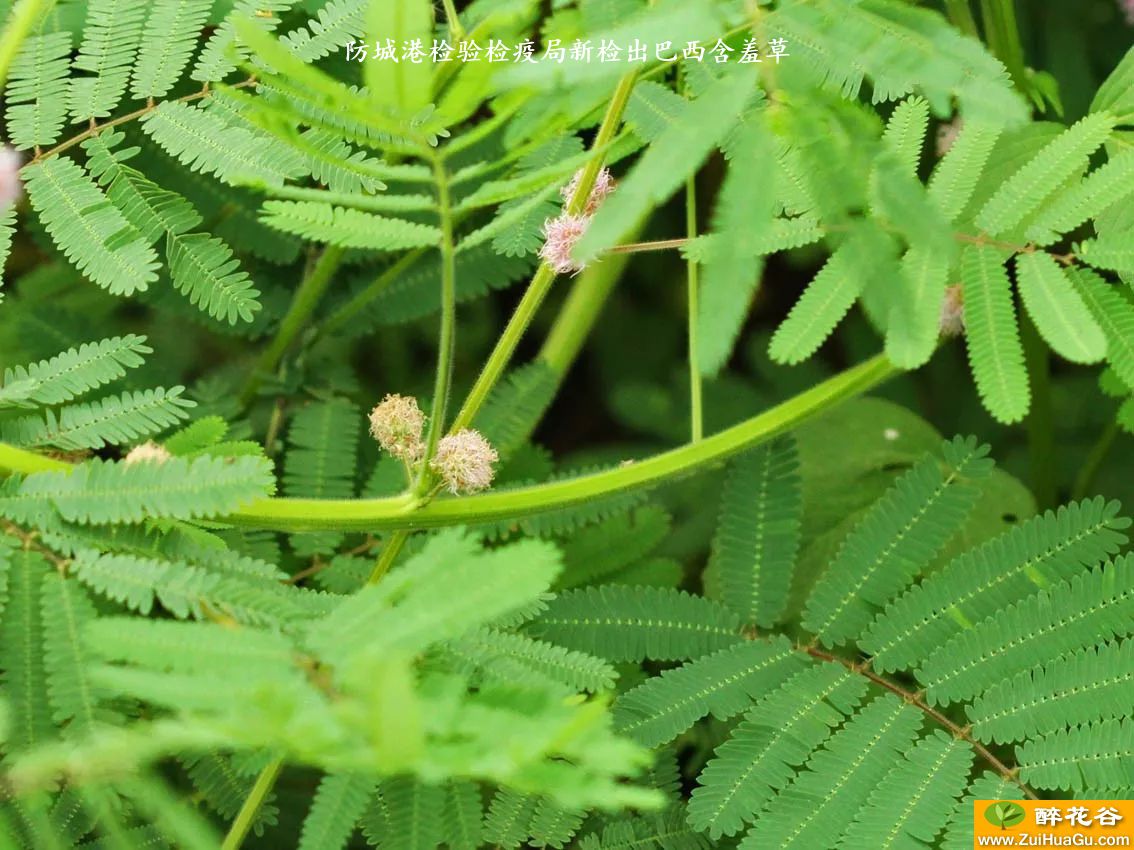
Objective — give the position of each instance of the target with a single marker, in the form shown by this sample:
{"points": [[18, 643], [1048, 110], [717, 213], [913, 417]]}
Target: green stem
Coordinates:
{"points": [[693, 297], [389, 554], [252, 803], [1085, 481], [961, 15], [24, 462], [409, 512], [456, 31], [1003, 36], [541, 283], [303, 305], [444, 379], [1040, 423], [24, 16], [347, 313]]}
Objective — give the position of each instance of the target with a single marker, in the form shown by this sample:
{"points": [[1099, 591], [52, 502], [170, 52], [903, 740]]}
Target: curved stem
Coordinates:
{"points": [[541, 283], [303, 305], [409, 512], [252, 803]]}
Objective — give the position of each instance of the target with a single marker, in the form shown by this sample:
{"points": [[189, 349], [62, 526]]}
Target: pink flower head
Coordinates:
{"points": [[953, 311], [947, 134], [560, 237], [10, 186], [604, 185], [464, 461], [1127, 6], [148, 452], [396, 423]]}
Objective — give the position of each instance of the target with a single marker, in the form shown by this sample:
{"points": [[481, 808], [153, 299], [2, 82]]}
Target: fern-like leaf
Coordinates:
{"points": [[1066, 617], [110, 44], [777, 734], [898, 537], [830, 295], [758, 531], [1022, 194], [1096, 756], [168, 39], [1115, 314], [347, 228], [1099, 191], [819, 805], [339, 802], [1061, 317], [635, 623], [721, 684], [911, 804], [88, 229], [1093, 684], [102, 492], [996, 354], [79, 370], [981, 582], [204, 270], [37, 90]]}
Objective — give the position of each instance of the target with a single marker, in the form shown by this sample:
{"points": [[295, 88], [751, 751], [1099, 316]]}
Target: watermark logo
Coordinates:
{"points": [[1005, 814]]}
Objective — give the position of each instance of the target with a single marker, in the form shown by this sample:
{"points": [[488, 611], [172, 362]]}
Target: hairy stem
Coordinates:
{"points": [[303, 305], [444, 378], [25, 15], [252, 803], [409, 512], [693, 297], [456, 31], [540, 285]]}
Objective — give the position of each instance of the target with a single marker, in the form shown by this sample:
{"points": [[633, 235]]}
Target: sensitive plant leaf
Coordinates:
{"points": [[1060, 315], [79, 370], [347, 228], [100, 491], [956, 177], [830, 295], [913, 327], [1023, 193], [758, 532], [996, 354], [88, 229]]}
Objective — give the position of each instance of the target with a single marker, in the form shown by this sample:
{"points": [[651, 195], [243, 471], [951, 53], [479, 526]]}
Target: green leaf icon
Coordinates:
{"points": [[1004, 814]]}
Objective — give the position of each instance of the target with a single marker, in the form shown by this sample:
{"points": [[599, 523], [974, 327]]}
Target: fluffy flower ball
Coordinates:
{"points": [[604, 185], [148, 452], [560, 237], [397, 423], [10, 186], [953, 311], [1127, 6], [464, 461]]}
